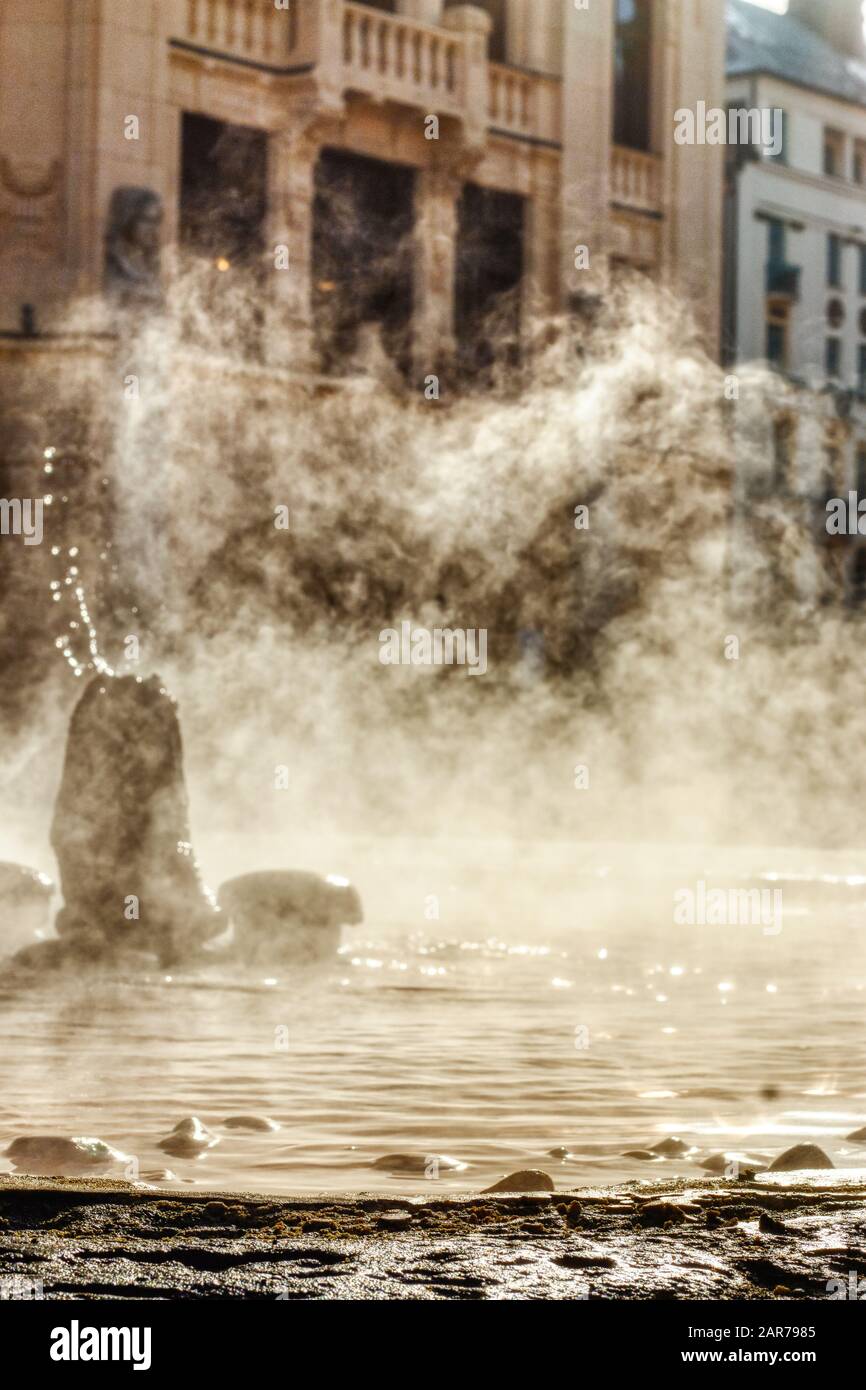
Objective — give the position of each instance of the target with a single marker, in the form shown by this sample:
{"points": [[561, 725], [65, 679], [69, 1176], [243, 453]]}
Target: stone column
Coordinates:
{"points": [[292, 156], [475, 25], [586, 147], [543, 218], [328, 47], [690, 65], [436, 195]]}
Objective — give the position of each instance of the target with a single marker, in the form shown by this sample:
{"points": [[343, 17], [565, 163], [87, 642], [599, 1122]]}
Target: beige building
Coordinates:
{"points": [[412, 164]]}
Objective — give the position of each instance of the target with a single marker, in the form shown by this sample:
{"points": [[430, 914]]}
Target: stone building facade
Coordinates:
{"points": [[554, 125], [795, 270]]}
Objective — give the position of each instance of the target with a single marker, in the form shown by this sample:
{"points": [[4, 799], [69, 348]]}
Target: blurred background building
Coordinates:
{"points": [[224, 129], [795, 257]]}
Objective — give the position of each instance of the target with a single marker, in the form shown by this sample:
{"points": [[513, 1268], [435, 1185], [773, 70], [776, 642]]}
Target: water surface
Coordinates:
{"points": [[600, 1033]]}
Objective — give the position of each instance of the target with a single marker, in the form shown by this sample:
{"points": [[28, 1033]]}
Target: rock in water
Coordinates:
{"points": [[188, 1139], [25, 892], [857, 1136], [670, 1148], [121, 827], [801, 1156], [256, 1124], [527, 1180], [419, 1165], [285, 914], [52, 1155]]}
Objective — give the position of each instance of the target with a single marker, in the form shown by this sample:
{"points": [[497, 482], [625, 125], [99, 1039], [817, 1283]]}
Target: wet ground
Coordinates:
{"points": [[99, 1239]]}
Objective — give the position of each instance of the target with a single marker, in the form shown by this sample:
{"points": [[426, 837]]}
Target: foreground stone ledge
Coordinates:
{"points": [[103, 1239]]}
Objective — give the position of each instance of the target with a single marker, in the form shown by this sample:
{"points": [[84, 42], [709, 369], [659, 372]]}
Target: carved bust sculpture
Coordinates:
{"points": [[132, 248]]}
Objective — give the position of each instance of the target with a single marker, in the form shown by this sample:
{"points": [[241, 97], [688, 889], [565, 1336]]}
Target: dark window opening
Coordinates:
{"points": [[223, 190], [778, 320], [363, 219], [777, 344], [858, 576], [489, 275], [632, 57], [777, 241], [223, 203], [497, 9], [833, 358], [861, 380], [834, 261], [834, 154]]}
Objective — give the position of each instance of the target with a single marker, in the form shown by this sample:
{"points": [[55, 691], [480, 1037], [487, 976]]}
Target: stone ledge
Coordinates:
{"points": [[98, 1238]]}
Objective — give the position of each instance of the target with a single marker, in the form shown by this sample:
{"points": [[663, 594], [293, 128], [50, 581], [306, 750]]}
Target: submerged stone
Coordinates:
{"points": [[121, 827], [670, 1148], [188, 1139], [53, 1155], [256, 1124], [419, 1165]]}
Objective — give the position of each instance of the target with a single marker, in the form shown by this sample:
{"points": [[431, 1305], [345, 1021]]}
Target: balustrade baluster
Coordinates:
{"points": [[386, 35]]}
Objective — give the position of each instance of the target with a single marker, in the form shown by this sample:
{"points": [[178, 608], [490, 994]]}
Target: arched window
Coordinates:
{"points": [[631, 98]]}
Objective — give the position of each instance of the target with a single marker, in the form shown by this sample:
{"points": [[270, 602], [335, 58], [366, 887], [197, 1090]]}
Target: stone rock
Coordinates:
{"points": [[670, 1148], [770, 1226], [574, 1214], [526, 1180], [585, 1260], [121, 827], [801, 1156], [52, 1155], [418, 1165], [24, 890], [394, 1221], [559, 1152], [287, 914], [256, 1124], [857, 1136], [188, 1139], [743, 1165], [643, 1155], [660, 1214]]}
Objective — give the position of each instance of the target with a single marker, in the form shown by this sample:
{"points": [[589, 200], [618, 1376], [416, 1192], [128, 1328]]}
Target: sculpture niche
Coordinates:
{"points": [[131, 276]]}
